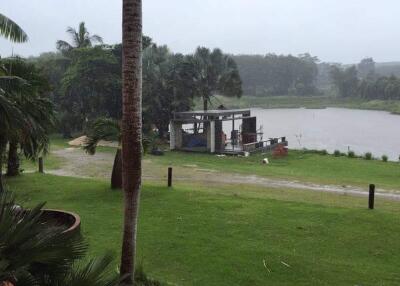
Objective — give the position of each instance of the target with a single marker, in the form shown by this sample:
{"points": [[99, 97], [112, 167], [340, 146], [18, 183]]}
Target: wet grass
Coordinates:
{"points": [[299, 165], [236, 235], [305, 166]]}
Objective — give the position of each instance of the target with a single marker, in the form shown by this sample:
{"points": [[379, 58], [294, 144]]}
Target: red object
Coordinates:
{"points": [[280, 151]]}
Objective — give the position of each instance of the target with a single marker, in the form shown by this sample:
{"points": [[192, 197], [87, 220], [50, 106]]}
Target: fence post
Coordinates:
{"points": [[41, 169], [169, 177], [371, 200]]}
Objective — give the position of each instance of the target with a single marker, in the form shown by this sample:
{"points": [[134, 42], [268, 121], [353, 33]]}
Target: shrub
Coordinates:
{"points": [[324, 152], [337, 153], [385, 158], [351, 154], [368, 156]]}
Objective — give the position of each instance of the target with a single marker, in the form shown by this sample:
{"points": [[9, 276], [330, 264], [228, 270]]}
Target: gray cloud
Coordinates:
{"points": [[341, 30]]}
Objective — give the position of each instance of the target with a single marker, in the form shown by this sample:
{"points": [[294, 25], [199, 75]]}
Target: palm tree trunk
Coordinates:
{"points": [[205, 104], [13, 160], [116, 176], [131, 131], [3, 144]]}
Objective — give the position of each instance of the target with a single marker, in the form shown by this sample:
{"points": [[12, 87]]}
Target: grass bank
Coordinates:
{"points": [[299, 165], [236, 235], [306, 101]]}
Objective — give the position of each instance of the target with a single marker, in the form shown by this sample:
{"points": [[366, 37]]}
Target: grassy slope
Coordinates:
{"points": [[299, 166], [306, 101], [222, 235]]}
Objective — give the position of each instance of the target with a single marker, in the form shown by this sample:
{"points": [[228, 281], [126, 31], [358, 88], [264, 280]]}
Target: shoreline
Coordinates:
{"points": [[307, 102]]}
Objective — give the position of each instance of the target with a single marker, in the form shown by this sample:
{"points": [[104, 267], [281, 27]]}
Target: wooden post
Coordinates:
{"points": [[41, 169], [371, 200], [169, 177]]}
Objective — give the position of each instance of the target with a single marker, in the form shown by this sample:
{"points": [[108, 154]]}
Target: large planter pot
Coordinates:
{"points": [[68, 220]]}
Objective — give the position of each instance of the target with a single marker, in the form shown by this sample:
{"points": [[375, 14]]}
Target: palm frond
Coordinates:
{"points": [[63, 46], [10, 30], [31, 249], [102, 129], [96, 39], [96, 272]]}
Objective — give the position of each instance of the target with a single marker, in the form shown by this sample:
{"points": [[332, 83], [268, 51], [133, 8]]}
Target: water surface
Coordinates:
{"points": [[362, 131]]}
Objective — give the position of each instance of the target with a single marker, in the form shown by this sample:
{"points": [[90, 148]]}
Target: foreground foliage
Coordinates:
{"points": [[10, 30], [35, 253]]}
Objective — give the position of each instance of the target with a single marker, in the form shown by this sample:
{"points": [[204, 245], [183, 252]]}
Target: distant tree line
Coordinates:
{"points": [[363, 81], [275, 75]]}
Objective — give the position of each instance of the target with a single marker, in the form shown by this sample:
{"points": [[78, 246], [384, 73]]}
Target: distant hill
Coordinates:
{"points": [[388, 68]]}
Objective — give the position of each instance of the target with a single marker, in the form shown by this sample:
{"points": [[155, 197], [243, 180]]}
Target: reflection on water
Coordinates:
{"points": [[362, 131]]}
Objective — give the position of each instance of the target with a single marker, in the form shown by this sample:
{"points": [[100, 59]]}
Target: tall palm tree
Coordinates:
{"points": [[81, 38], [31, 137], [131, 130], [24, 90], [25, 117], [10, 30]]}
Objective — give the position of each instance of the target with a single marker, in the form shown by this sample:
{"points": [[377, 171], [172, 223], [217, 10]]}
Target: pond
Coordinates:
{"points": [[361, 131]]}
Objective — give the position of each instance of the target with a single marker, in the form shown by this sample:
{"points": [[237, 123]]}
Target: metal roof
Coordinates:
{"points": [[215, 112]]}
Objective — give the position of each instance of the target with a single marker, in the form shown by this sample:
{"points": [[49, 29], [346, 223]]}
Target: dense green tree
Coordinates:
{"points": [[10, 30], [81, 38], [366, 68], [167, 87], [278, 74], [345, 80], [214, 73], [384, 88], [91, 87]]}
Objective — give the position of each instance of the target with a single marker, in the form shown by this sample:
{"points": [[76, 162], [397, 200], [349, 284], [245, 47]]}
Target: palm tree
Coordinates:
{"points": [[35, 253], [131, 130], [214, 73], [81, 38], [10, 30], [24, 90], [110, 130]]}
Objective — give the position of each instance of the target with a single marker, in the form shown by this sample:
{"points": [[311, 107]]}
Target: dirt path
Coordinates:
{"points": [[76, 163]]}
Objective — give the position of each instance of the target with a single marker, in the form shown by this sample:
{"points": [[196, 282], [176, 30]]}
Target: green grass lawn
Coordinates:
{"points": [[236, 235], [303, 101], [299, 165]]}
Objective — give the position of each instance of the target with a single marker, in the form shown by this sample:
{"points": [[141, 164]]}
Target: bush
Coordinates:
{"points": [[324, 152], [351, 154], [368, 156], [385, 158], [337, 153]]}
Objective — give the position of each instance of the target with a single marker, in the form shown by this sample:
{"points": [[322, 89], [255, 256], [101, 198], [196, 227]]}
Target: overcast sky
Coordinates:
{"points": [[334, 30]]}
